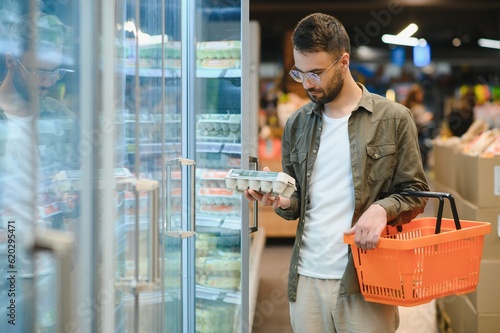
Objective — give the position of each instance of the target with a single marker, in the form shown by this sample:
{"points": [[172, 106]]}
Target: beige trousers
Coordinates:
{"points": [[319, 309]]}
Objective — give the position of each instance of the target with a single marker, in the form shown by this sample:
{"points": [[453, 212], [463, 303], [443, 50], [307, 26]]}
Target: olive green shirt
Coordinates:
{"points": [[385, 158]]}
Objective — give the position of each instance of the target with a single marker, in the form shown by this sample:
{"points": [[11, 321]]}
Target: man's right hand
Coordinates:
{"points": [[266, 199]]}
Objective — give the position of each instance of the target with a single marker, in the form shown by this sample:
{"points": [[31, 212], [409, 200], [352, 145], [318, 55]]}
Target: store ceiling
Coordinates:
{"points": [[439, 21]]}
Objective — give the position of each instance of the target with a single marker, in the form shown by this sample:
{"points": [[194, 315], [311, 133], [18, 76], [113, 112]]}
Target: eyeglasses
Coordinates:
{"points": [[54, 75], [314, 78]]}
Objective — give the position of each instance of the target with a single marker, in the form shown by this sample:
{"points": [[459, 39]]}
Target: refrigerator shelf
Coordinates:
{"points": [[211, 223], [176, 73], [203, 146], [152, 297], [202, 292], [214, 294]]}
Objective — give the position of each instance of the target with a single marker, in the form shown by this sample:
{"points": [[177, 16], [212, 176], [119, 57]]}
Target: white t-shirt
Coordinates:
{"points": [[20, 159], [20, 185], [330, 209]]}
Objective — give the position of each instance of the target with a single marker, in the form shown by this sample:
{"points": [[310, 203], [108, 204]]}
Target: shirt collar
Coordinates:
{"points": [[366, 100]]}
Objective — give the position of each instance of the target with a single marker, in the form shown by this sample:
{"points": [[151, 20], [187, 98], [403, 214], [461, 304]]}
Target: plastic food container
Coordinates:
{"points": [[276, 183]]}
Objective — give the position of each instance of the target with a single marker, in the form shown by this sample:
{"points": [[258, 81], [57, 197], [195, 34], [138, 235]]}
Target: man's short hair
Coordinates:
{"points": [[46, 34]]}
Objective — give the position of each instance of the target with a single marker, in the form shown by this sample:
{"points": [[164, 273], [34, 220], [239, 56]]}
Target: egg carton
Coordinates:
{"points": [[214, 124], [276, 183]]}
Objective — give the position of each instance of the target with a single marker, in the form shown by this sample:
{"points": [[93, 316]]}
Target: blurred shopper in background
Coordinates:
{"points": [[423, 119], [462, 115]]}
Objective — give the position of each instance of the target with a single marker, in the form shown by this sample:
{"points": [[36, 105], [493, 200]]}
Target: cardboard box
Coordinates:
{"points": [[478, 322], [444, 165], [486, 297], [471, 212], [478, 180]]}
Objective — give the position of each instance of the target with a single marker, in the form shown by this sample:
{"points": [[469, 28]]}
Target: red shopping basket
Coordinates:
{"points": [[425, 259]]}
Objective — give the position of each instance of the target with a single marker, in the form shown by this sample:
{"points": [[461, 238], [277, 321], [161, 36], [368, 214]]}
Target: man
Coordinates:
{"points": [[345, 149], [37, 139]]}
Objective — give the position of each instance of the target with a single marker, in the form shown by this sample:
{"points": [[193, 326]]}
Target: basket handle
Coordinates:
{"points": [[440, 196]]}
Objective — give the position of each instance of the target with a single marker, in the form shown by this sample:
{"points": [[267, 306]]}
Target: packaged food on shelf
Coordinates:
{"points": [[66, 186], [153, 49], [211, 54], [222, 270], [173, 49], [276, 183], [215, 317], [219, 126], [217, 196], [213, 178], [48, 205], [219, 64], [230, 49], [220, 261], [205, 243], [218, 279]]}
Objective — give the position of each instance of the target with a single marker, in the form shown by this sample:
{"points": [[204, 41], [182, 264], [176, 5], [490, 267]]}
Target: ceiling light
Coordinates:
{"points": [[404, 37], [489, 43], [395, 39], [409, 30]]}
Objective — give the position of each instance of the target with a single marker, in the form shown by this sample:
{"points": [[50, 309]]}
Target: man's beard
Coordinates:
{"points": [[22, 86], [331, 92]]}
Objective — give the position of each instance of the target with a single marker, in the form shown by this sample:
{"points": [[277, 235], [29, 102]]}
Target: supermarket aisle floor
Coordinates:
{"points": [[271, 313]]}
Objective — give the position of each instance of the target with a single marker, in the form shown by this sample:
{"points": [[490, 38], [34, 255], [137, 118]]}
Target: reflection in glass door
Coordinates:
{"points": [[39, 159], [126, 117]]}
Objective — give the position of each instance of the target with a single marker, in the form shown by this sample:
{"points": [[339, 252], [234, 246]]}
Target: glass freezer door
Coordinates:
{"points": [[217, 108], [183, 65], [149, 230]]}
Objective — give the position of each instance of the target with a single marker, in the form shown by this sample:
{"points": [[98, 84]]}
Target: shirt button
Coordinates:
{"points": [[308, 174], [375, 155], [319, 129], [314, 151]]}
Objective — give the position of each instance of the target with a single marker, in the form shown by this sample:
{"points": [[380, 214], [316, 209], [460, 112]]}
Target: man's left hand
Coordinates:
{"points": [[369, 227]]}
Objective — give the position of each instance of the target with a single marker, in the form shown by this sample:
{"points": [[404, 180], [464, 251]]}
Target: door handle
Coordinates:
{"points": [[153, 187], [154, 274], [60, 243], [255, 227], [179, 161]]}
